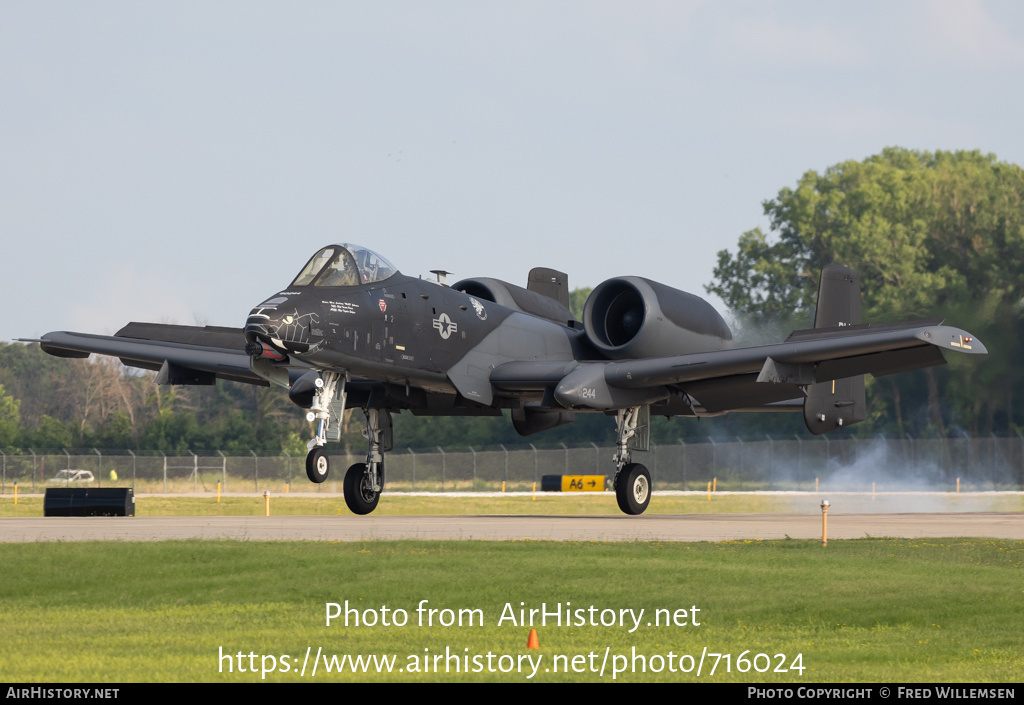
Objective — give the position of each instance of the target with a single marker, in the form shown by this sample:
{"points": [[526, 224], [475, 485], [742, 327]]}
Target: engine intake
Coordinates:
{"points": [[630, 317]]}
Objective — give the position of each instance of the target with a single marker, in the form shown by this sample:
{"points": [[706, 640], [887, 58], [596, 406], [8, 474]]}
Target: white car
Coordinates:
{"points": [[69, 476]]}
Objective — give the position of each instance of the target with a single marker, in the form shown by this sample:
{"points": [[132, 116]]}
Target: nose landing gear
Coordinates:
{"points": [[326, 410]]}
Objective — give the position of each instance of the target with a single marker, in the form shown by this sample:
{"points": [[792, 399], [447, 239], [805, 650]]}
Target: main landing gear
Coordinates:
{"points": [[360, 495], [632, 481], [363, 481]]}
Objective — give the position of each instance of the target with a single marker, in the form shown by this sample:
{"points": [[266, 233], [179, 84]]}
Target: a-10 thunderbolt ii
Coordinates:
{"points": [[352, 331]]}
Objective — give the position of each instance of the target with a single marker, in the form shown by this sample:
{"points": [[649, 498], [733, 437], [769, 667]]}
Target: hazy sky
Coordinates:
{"points": [[180, 161]]}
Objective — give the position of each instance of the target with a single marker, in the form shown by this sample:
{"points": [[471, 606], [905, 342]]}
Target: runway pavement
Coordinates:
{"points": [[691, 527]]}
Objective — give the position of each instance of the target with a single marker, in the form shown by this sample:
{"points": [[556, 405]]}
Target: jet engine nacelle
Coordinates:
{"points": [[515, 298], [632, 317]]}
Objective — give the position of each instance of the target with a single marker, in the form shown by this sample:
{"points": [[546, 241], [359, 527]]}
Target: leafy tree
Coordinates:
{"points": [[10, 419], [930, 233], [577, 300], [51, 434]]}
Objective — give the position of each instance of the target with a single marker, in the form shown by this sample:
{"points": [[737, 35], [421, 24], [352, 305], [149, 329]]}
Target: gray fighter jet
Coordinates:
{"points": [[352, 331]]}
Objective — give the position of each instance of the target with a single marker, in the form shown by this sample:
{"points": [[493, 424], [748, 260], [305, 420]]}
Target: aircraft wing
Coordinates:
{"points": [[744, 378], [810, 356], [181, 354]]}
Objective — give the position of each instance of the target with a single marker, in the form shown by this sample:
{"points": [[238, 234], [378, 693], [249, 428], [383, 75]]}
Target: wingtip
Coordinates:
{"points": [[954, 339]]}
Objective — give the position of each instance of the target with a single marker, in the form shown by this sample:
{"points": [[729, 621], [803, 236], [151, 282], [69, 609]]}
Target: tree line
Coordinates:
{"points": [[51, 402]]}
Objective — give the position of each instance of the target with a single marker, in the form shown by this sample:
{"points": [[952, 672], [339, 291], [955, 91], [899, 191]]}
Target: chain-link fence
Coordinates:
{"points": [[771, 464]]}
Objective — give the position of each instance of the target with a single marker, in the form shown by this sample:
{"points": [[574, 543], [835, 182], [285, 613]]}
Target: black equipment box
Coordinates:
{"points": [[89, 502]]}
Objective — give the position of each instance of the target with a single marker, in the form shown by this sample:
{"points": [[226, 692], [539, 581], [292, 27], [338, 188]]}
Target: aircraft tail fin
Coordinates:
{"points": [[841, 402]]}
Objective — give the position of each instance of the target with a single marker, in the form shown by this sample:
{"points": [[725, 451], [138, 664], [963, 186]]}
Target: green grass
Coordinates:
{"points": [[863, 610]]}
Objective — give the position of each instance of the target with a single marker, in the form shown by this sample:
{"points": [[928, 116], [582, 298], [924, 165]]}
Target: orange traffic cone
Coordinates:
{"points": [[532, 642]]}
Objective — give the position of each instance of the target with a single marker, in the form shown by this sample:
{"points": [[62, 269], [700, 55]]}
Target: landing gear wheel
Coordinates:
{"points": [[359, 495], [633, 488], [318, 467]]}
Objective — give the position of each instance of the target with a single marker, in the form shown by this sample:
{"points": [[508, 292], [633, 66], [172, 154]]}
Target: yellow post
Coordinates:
{"points": [[15, 492], [714, 484], [709, 491], [534, 490], [287, 487], [503, 486], [958, 485], [824, 522], [815, 484], [218, 491], [266, 501]]}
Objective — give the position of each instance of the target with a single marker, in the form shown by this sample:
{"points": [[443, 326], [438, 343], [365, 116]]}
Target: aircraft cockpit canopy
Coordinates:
{"points": [[344, 265]]}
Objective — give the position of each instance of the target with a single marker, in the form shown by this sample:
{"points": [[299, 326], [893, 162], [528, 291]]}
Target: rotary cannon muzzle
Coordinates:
{"points": [[257, 348]]}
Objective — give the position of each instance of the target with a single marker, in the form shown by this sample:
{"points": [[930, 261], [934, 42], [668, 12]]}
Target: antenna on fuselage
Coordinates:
{"points": [[441, 276]]}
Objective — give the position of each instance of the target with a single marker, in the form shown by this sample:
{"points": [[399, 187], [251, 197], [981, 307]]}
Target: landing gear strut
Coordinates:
{"points": [[632, 481], [326, 410], [365, 481]]}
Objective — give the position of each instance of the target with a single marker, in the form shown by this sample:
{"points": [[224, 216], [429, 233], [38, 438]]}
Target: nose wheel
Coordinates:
{"points": [[318, 467]]}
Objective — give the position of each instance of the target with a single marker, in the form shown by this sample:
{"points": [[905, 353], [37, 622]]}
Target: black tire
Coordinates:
{"points": [[633, 489], [358, 495], [318, 466]]}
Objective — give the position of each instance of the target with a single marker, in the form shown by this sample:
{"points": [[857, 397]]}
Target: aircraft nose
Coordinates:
{"points": [[256, 325], [284, 329], [260, 340]]}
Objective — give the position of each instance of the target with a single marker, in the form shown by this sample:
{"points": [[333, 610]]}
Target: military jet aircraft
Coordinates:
{"points": [[352, 331]]}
